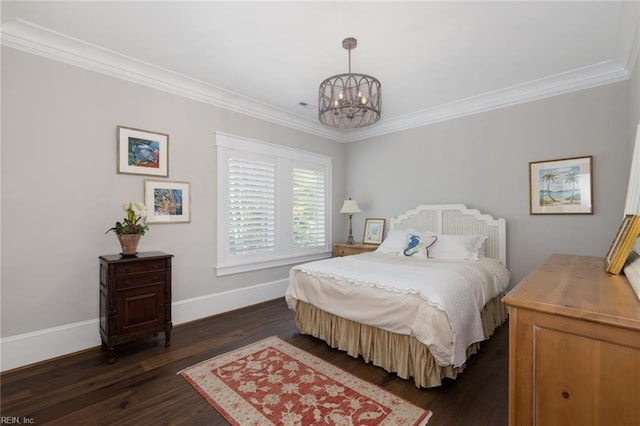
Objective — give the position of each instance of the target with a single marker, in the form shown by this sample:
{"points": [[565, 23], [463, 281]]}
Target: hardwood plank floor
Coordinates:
{"points": [[142, 386]]}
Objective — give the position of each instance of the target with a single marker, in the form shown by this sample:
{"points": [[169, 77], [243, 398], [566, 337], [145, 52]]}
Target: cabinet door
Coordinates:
{"points": [[140, 309], [589, 379]]}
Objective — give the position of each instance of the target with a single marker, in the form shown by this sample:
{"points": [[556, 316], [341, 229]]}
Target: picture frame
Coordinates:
{"points": [[141, 152], [622, 244], [563, 186], [167, 201], [373, 231]]}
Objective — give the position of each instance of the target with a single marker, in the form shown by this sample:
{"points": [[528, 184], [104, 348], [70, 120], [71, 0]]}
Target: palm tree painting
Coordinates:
{"points": [[561, 186]]}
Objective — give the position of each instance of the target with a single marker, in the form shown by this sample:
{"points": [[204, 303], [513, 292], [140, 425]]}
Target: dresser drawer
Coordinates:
{"points": [[340, 249], [140, 267], [346, 251], [139, 280]]}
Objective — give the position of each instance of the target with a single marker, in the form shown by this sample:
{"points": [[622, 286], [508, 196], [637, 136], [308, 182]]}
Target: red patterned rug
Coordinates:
{"points": [[273, 382]]}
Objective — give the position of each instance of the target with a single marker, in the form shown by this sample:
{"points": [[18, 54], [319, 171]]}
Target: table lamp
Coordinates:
{"points": [[350, 207]]}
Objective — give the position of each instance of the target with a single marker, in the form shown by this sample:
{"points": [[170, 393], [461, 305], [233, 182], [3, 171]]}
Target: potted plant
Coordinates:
{"points": [[131, 228]]}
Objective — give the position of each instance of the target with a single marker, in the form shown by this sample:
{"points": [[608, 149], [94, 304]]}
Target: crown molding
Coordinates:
{"points": [[31, 38], [572, 81], [22, 35]]}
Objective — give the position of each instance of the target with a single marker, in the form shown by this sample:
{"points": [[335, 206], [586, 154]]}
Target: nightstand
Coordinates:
{"points": [[135, 298], [344, 249]]}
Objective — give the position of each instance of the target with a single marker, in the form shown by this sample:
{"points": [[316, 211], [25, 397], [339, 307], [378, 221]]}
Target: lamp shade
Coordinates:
{"points": [[350, 206]]}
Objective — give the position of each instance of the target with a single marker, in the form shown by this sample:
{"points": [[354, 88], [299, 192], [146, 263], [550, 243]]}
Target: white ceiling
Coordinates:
{"points": [[435, 60]]}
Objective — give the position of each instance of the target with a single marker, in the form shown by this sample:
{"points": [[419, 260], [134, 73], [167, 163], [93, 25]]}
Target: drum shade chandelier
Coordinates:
{"points": [[349, 101]]}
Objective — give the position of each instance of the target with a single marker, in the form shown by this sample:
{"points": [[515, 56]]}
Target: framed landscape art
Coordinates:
{"points": [[561, 186], [167, 202], [141, 152]]}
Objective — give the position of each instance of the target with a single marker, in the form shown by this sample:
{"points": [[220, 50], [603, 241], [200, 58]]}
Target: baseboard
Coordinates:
{"points": [[201, 307], [29, 348]]}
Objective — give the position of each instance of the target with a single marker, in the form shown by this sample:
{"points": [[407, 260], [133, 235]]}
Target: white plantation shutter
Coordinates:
{"points": [[309, 189], [252, 205], [272, 205]]}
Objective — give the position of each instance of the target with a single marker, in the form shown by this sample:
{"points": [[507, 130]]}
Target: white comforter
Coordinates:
{"points": [[396, 294]]}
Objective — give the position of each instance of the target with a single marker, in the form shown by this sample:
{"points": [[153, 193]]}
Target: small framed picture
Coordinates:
{"points": [[167, 202], [561, 186], [373, 231], [622, 244], [141, 152]]}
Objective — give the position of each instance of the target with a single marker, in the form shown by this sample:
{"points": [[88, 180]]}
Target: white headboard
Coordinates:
{"points": [[457, 219]]}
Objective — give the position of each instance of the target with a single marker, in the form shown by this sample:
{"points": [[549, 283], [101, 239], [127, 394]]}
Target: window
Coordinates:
{"points": [[251, 210], [273, 205], [309, 206]]}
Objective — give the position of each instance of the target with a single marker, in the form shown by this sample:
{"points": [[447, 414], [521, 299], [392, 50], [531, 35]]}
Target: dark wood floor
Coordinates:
{"points": [[142, 387]]}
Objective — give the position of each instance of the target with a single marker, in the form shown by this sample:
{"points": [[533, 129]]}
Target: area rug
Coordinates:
{"points": [[272, 382]]}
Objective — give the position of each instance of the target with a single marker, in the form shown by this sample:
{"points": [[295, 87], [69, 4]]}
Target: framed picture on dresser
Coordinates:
{"points": [[622, 244]]}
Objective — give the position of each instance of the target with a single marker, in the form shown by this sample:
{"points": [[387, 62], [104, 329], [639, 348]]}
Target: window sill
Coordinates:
{"points": [[222, 270]]}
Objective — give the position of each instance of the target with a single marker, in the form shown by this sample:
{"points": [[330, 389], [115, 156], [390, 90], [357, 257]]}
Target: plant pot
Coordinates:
{"points": [[129, 243]]}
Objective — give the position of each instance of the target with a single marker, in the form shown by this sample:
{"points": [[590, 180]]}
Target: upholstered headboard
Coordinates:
{"points": [[457, 219]]}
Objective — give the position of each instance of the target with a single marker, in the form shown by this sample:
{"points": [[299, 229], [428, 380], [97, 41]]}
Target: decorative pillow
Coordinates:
{"points": [[417, 245], [395, 241], [457, 247]]}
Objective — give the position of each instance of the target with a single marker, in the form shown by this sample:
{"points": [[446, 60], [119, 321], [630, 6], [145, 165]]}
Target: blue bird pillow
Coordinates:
{"points": [[417, 245]]}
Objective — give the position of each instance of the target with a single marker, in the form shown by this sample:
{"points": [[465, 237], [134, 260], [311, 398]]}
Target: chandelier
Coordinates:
{"points": [[349, 101]]}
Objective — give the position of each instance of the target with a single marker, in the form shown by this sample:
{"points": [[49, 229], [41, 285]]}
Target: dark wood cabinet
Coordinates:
{"points": [[135, 298]]}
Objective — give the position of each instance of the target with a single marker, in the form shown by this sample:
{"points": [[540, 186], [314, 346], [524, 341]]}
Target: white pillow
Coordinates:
{"points": [[457, 247], [395, 241], [417, 245]]}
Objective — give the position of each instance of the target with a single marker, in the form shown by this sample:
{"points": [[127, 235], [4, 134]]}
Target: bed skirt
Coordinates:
{"points": [[396, 353]]}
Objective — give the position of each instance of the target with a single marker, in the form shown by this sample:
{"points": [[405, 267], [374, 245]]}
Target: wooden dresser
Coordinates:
{"points": [[574, 346], [344, 249], [135, 298]]}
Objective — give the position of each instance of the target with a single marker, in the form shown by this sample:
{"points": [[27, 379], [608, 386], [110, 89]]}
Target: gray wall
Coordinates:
{"points": [[61, 192], [483, 161]]}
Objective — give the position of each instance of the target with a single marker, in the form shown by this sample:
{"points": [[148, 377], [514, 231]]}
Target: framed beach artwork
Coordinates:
{"points": [[563, 186], [373, 231], [167, 202], [141, 152]]}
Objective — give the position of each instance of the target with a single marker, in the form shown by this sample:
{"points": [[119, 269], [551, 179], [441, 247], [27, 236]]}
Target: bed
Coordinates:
{"points": [[419, 305]]}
